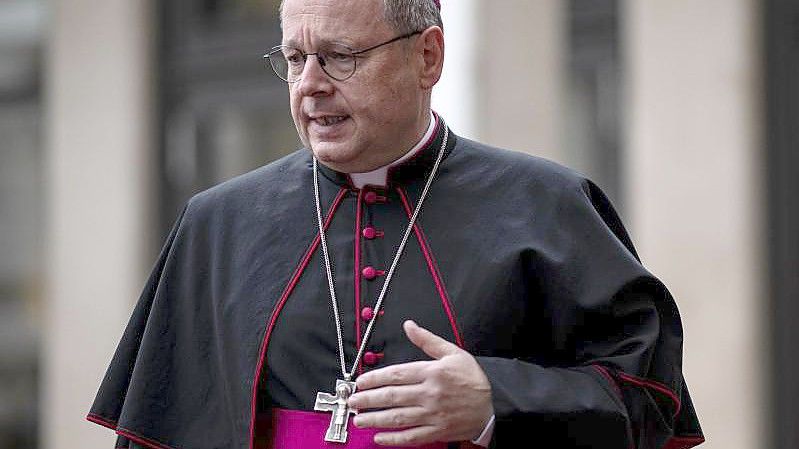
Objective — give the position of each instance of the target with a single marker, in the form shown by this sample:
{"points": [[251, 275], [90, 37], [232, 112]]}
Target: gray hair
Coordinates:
{"points": [[405, 16]]}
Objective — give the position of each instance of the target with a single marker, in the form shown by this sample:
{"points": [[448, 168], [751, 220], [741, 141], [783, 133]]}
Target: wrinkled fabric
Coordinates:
{"points": [[520, 261]]}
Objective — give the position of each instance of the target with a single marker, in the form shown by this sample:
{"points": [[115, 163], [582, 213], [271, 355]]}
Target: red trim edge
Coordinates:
{"points": [[101, 421], [660, 388], [142, 440], [431, 266], [357, 277], [683, 442], [276, 311], [676, 442], [606, 374], [147, 442]]}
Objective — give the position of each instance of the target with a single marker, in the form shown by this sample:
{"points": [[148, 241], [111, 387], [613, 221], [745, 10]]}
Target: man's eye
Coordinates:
{"points": [[338, 56], [294, 58]]}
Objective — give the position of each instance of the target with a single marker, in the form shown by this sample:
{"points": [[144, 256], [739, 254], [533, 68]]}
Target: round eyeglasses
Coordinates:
{"points": [[337, 60]]}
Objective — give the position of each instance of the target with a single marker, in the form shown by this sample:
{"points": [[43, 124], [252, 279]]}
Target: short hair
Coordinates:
{"points": [[406, 16]]}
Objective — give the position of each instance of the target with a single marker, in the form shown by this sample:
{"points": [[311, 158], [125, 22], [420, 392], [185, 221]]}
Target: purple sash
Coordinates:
{"points": [[295, 429]]}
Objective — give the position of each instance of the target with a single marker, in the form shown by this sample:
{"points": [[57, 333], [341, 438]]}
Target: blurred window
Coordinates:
{"points": [[594, 90], [21, 195], [223, 112]]}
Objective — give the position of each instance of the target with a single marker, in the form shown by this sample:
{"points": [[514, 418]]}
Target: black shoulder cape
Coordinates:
{"points": [[518, 260]]}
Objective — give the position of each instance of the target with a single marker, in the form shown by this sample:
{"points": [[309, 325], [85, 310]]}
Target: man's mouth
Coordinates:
{"points": [[329, 120]]}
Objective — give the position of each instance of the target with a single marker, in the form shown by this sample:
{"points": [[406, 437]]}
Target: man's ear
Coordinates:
{"points": [[430, 46]]}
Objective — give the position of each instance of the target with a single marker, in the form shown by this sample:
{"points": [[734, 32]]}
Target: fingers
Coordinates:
{"points": [[425, 401], [386, 397], [400, 374], [396, 418], [432, 345], [414, 436], [447, 399]]}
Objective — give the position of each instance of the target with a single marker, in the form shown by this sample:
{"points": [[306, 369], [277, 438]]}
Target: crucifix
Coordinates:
{"points": [[337, 404]]}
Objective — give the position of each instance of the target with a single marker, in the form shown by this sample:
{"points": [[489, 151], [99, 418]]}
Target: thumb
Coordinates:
{"points": [[432, 345]]}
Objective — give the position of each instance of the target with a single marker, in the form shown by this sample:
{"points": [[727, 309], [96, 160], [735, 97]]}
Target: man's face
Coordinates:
{"points": [[371, 118]]}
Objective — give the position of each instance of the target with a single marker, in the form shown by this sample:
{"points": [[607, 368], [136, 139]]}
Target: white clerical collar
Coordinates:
{"points": [[379, 176]]}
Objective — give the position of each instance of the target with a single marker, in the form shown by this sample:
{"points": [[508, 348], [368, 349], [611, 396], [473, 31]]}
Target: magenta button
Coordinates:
{"points": [[369, 232], [369, 273], [367, 313], [370, 197], [371, 358]]}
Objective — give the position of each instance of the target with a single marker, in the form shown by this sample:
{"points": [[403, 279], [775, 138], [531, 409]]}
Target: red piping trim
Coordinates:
{"points": [[142, 440], [126, 433], [660, 388], [101, 421], [604, 372], [431, 266], [676, 442], [684, 442], [279, 306], [357, 276]]}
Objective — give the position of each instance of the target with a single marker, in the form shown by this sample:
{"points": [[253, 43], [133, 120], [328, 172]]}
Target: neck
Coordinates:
{"points": [[378, 176], [402, 146]]}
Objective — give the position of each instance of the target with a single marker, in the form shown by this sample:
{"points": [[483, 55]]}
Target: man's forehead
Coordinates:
{"points": [[346, 21]]}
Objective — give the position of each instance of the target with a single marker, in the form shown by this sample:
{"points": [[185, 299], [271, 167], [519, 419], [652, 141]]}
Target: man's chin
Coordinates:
{"points": [[336, 156]]}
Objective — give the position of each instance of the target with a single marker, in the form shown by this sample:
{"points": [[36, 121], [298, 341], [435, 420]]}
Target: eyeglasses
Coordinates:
{"points": [[337, 60]]}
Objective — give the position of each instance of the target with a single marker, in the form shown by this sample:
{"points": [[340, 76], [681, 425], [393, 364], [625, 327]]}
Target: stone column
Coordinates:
{"points": [[99, 144], [521, 53], [453, 96], [503, 78]]}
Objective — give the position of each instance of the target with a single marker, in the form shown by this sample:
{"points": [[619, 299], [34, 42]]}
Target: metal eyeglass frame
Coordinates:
{"points": [[322, 63]]}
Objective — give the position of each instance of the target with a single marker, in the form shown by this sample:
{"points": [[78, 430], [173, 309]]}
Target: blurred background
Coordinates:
{"points": [[686, 112]]}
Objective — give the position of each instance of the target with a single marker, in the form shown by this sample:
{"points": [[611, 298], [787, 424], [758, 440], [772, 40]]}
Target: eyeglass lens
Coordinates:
{"points": [[338, 62]]}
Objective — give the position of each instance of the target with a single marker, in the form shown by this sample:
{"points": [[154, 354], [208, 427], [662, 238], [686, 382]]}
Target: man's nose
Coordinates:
{"points": [[314, 80]]}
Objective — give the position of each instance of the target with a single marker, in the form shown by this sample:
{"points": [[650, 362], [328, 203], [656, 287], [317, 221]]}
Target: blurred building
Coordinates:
{"points": [[22, 190], [113, 113]]}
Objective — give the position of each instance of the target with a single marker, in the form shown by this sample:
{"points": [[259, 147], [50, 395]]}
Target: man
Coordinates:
{"points": [[283, 310]]}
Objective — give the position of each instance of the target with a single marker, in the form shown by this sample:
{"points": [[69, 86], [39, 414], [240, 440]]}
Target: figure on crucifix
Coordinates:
{"points": [[337, 404]]}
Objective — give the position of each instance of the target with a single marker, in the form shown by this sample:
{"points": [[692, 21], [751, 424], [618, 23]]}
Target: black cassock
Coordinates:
{"points": [[518, 260]]}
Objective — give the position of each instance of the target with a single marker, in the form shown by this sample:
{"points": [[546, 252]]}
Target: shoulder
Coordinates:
{"points": [[525, 171], [553, 189]]}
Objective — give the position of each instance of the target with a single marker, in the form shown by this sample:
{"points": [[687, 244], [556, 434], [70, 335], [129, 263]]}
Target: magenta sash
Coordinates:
{"points": [[296, 429]]}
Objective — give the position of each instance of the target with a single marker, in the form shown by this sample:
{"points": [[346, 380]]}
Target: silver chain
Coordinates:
{"points": [[389, 275]]}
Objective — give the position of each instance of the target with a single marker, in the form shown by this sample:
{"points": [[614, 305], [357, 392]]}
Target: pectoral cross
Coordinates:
{"points": [[337, 404]]}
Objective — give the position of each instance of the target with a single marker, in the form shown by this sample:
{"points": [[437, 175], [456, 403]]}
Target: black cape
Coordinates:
{"points": [[518, 260]]}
